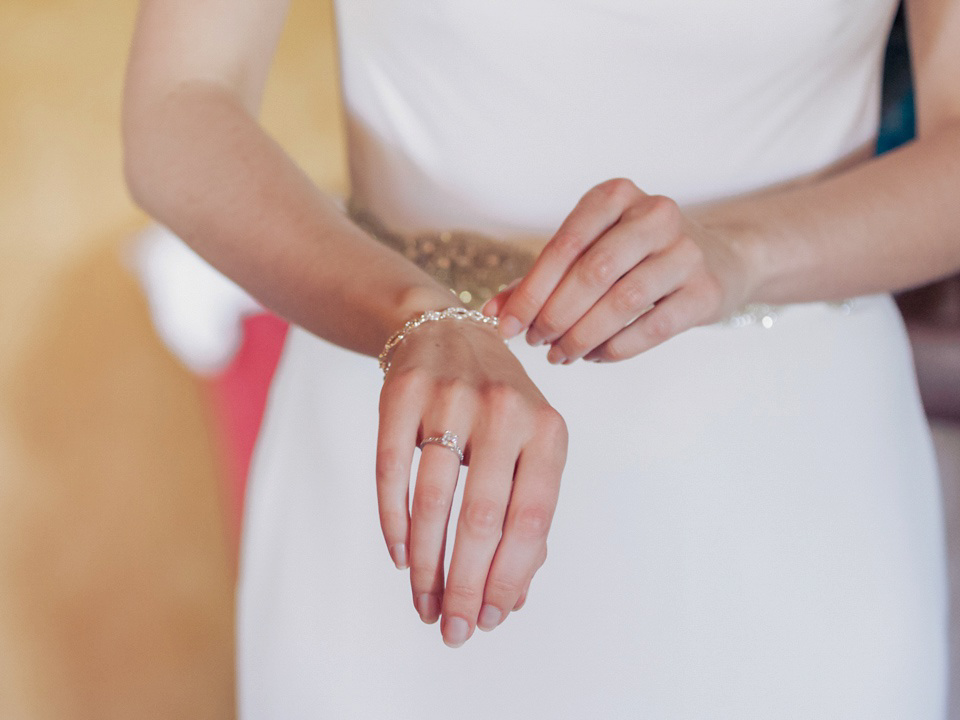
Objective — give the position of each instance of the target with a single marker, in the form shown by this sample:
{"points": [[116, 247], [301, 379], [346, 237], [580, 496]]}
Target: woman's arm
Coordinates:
{"points": [[886, 224], [890, 223], [197, 160]]}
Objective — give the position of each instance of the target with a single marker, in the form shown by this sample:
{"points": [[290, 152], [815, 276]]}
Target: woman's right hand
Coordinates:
{"points": [[459, 376]]}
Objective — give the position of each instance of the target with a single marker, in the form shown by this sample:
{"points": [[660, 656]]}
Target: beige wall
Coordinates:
{"points": [[116, 583]]}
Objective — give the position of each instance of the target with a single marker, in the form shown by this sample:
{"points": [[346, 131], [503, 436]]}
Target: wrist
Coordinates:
{"points": [[457, 314], [749, 261], [414, 300], [771, 254]]}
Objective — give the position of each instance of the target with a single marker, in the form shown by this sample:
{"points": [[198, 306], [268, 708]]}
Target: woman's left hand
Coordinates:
{"points": [[624, 272]]}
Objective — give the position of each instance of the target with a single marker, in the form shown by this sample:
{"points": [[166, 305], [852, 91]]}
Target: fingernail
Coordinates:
{"points": [[399, 554], [455, 631], [534, 338], [428, 605], [489, 618], [509, 326], [556, 356]]}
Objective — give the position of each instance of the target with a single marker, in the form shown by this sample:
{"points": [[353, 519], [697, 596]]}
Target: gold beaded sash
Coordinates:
{"points": [[474, 266]]}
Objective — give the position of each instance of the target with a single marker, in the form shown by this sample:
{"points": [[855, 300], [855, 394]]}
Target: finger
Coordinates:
{"points": [[485, 495], [400, 410], [526, 590], [523, 598], [596, 212], [492, 307], [634, 294], [680, 311], [432, 498], [638, 233], [522, 548]]}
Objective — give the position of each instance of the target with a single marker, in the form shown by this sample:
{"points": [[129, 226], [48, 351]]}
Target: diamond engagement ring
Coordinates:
{"points": [[449, 441]]}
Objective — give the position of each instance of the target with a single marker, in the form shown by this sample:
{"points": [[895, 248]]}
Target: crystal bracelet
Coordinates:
{"points": [[450, 313]]}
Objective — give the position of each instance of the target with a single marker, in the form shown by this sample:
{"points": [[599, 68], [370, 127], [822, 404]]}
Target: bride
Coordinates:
{"points": [[682, 194]]}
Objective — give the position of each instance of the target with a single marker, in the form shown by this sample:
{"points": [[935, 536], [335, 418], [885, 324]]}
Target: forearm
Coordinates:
{"points": [[889, 223], [198, 162]]}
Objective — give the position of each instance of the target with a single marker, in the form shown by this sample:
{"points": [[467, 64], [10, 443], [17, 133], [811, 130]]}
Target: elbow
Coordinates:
{"points": [[134, 178], [135, 168], [138, 169]]}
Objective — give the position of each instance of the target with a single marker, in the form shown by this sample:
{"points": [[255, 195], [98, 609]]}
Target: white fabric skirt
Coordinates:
{"points": [[749, 526]]}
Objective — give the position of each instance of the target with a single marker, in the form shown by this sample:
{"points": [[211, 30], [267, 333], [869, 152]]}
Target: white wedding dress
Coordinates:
{"points": [[749, 524]]}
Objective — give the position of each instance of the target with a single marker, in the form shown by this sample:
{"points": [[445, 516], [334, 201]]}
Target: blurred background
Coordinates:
{"points": [[121, 468], [119, 493]]}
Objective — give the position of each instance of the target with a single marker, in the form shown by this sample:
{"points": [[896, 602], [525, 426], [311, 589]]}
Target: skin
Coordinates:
{"points": [[627, 270], [196, 159]]}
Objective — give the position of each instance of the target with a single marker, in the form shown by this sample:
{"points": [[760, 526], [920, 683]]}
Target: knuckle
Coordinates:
{"points": [[389, 465], [552, 431], [402, 382], [567, 244], [499, 587], [662, 326], [691, 252], [430, 503], [637, 213], [460, 594], [552, 424], [548, 323], [451, 392], [629, 298], [574, 342], [502, 399], [533, 521], [482, 517], [665, 210], [614, 352], [598, 269], [617, 189]]}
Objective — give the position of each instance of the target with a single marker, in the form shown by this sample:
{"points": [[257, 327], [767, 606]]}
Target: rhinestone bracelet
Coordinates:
{"points": [[450, 313]]}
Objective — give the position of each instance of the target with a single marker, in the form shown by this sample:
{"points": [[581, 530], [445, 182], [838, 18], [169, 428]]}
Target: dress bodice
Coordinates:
{"points": [[498, 115]]}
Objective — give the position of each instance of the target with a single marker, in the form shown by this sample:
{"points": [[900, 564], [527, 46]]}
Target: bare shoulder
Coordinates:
{"points": [[934, 32]]}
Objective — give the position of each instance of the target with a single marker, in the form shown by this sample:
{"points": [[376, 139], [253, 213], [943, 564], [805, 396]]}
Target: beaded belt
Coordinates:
{"points": [[474, 266]]}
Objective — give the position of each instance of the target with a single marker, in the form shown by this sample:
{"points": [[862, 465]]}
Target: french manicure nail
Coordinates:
{"points": [[399, 554], [509, 326], [455, 631], [428, 605], [534, 338], [489, 618]]}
